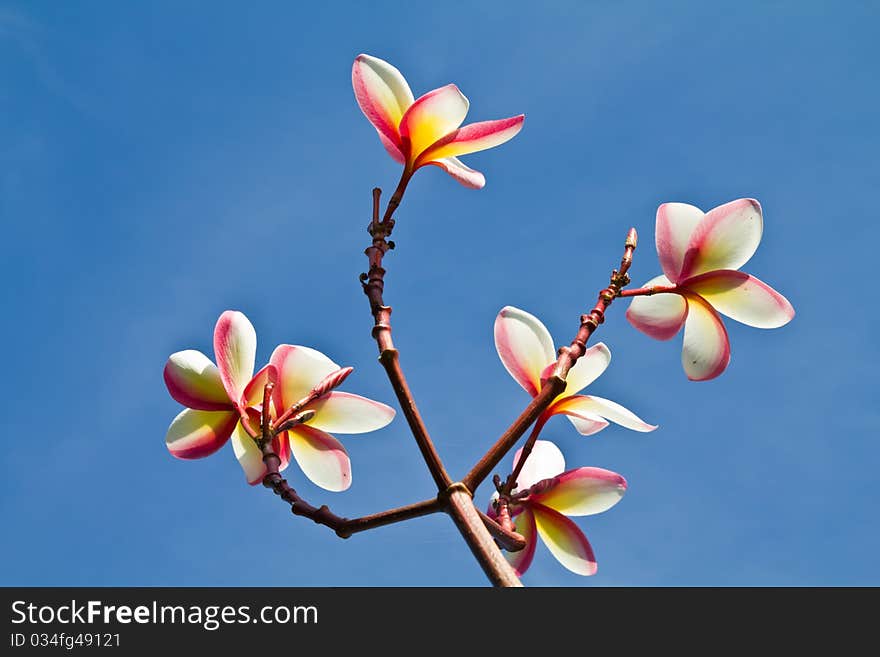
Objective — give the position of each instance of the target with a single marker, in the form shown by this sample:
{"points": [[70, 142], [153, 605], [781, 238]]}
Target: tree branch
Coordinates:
{"points": [[374, 284], [555, 384]]}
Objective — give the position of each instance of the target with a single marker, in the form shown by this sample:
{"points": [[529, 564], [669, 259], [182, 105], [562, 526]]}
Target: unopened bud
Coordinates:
{"points": [[632, 238], [332, 380]]}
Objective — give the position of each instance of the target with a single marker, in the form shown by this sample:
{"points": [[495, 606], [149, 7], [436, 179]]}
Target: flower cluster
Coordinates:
{"points": [[226, 401], [293, 401]]}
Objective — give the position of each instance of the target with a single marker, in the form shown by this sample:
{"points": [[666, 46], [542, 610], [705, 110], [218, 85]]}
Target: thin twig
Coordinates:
{"points": [[555, 384], [374, 284]]}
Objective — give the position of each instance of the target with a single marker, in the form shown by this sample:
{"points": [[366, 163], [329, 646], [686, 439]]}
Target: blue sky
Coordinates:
{"points": [[161, 162]]}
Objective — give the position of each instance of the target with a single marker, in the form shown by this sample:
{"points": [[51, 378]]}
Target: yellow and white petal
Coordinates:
{"points": [[194, 381], [725, 239], [743, 298], [249, 455], [343, 412], [675, 225], [431, 117], [706, 350], [321, 457], [473, 138], [545, 462], [299, 370], [590, 406], [461, 172], [383, 95], [196, 434], [583, 492], [524, 345], [587, 369], [235, 348], [660, 316], [525, 527], [565, 540]]}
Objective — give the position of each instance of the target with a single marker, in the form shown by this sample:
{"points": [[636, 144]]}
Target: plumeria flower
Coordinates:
{"points": [[526, 349], [552, 494], [425, 131], [219, 398], [700, 254]]}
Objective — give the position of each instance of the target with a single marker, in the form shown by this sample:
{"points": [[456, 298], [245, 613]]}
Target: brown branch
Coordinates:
{"points": [[555, 384], [374, 284], [389, 517]]}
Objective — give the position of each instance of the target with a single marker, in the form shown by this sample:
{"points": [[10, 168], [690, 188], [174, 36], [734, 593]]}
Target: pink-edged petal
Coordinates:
{"points": [[235, 348], [743, 298], [673, 230], [525, 527], [434, 115], [659, 315], [195, 434], [393, 149], [249, 456], [590, 407], [299, 370], [253, 391], [565, 540], [725, 239], [582, 492], [194, 381], [524, 345], [587, 369], [473, 138], [462, 173], [383, 95], [321, 457], [706, 350], [587, 424], [343, 412], [545, 462], [281, 445]]}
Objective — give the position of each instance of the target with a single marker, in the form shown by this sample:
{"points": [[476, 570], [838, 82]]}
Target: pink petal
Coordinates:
{"points": [[660, 315], [281, 445], [524, 345], [249, 456], [589, 407], [194, 381], [472, 138], [675, 224], [299, 370], [583, 492], [235, 348], [525, 526], [545, 462], [253, 391], [565, 540], [196, 434], [462, 173], [431, 117], [383, 96], [587, 369], [706, 349], [321, 457], [725, 239], [343, 412], [743, 298]]}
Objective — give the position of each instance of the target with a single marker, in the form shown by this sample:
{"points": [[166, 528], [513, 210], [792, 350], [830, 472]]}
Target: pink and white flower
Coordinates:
{"points": [[427, 130], [526, 349], [700, 254], [220, 397], [554, 494]]}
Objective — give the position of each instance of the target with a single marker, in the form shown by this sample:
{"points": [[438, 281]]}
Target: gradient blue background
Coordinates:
{"points": [[161, 162]]}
